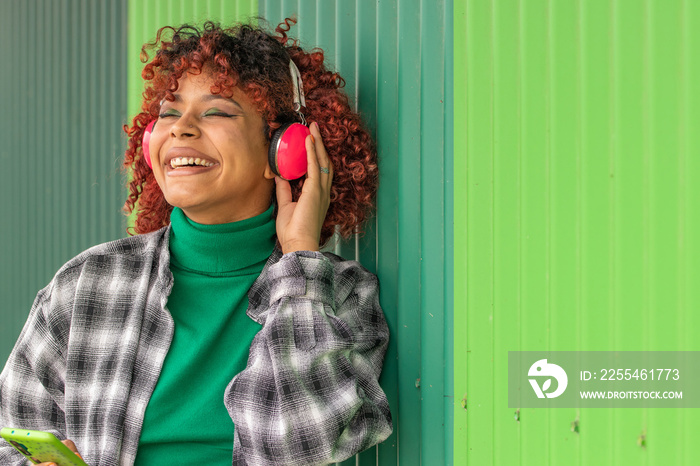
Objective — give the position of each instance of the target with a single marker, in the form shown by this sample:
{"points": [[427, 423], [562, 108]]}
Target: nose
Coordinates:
{"points": [[185, 127]]}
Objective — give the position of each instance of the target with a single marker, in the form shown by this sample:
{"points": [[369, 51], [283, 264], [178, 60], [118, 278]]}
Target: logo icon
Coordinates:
{"points": [[542, 368]]}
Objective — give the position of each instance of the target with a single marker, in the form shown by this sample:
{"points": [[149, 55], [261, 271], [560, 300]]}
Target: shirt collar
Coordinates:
{"points": [[222, 248]]}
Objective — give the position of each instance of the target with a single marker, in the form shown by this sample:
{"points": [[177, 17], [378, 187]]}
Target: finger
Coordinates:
{"points": [[312, 170], [284, 192], [321, 153], [71, 445], [322, 158]]}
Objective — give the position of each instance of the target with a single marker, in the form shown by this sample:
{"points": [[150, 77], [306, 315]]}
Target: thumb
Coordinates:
{"points": [[284, 192]]}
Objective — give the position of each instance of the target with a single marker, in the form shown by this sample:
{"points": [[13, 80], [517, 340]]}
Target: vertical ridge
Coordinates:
{"points": [[55, 125], [612, 235]]}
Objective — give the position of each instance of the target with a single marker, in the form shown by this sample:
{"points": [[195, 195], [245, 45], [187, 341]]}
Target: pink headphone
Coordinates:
{"points": [[287, 153], [145, 143]]}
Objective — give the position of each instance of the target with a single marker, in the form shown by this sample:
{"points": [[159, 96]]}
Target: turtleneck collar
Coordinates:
{"points": [[228, 248]]}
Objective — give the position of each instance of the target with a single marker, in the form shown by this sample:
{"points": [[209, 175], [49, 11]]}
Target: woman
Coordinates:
{"points": [[219, 330]]}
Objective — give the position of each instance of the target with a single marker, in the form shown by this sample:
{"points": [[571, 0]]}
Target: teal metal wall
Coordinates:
{"points": [[393, 56], [63, 101]]}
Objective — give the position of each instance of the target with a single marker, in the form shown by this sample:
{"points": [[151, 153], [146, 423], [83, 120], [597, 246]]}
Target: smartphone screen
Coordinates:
{"points": [[41, 447]]}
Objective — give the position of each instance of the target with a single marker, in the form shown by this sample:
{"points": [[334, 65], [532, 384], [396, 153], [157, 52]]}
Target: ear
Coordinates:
{"points": [[269, 174]]}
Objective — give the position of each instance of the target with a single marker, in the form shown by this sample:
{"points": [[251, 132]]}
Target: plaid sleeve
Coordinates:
{"points": [[310, 392], [31, 385]]}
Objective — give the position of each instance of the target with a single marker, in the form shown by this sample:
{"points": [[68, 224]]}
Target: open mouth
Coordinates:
{"points": [[179, 162]]}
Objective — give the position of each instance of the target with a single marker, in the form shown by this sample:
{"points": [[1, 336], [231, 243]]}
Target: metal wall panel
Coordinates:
{"points": [[396, 74], [392, 54], [576, 157], [62, 94]]}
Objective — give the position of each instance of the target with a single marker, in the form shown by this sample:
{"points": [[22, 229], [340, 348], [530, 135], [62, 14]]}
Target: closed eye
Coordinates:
{"points": [[169, 113], [208, 114], [218, 113]]}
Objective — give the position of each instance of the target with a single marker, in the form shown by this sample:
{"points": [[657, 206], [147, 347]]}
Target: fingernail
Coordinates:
{"points": [[313, 139]]}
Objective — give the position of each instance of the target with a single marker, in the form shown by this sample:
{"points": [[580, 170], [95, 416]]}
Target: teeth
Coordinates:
{"points": [[182, 161]]}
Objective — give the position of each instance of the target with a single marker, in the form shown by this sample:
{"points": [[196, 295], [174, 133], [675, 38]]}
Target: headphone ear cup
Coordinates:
{"points": [[145, 143], [287, 153], [274, 144]]}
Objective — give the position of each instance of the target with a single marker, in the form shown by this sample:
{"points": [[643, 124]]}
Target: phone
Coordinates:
{"points": [[41, 447]]}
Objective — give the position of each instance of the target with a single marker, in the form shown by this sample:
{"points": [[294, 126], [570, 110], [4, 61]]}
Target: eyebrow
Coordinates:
{"points": [[210, 97]]}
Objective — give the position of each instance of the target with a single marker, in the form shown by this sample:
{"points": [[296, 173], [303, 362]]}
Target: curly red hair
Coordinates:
{"points": [[258, 63]]}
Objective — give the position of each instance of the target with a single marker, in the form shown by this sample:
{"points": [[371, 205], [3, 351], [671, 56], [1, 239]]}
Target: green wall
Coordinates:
{"points": [[576, 226], [63, 101], [537, 192]]}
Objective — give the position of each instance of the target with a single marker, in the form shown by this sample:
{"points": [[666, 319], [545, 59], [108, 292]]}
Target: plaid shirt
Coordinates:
{"points": [[90, 354]]}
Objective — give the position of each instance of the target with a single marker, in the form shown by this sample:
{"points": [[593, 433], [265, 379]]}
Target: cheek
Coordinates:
{"points": [[155, 144], [251, 150], [259, 143]]}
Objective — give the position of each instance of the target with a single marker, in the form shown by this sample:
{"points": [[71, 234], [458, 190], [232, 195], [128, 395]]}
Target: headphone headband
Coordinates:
{"points": [[298, 87]]}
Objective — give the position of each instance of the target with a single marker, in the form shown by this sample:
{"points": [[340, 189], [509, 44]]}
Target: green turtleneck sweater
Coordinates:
{"points": [[213, 268]]}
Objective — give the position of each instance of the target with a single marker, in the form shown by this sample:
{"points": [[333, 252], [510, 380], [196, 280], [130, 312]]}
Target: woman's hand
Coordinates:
{"points": [[69, 444], [299, 223]]}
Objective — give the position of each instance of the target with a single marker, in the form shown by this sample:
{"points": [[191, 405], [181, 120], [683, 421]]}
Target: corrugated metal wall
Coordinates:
{"points": [[577, 160], [63, 101], [392, 54], [574, 219]]}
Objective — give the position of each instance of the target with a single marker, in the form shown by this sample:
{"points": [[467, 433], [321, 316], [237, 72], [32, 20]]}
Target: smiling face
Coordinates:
{"points": [[209, 154]]}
